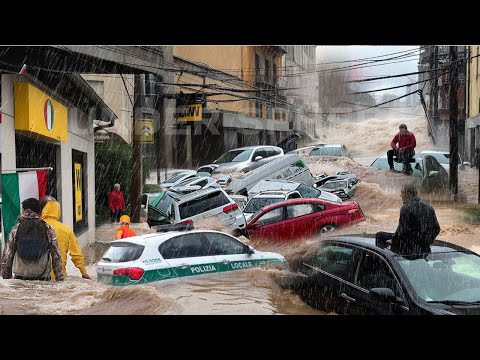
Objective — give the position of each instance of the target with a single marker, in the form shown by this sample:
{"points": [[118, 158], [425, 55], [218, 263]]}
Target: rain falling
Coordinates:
{"points": [[239, 180]]}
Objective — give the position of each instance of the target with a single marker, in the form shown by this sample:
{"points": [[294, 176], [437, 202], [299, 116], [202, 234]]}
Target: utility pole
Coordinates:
{"points": [[137, 168], [453, 75], [435, 88]]}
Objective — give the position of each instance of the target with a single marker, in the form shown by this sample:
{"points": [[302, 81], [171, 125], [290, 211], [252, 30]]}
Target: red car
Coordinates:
{"points": [[302, 218]]}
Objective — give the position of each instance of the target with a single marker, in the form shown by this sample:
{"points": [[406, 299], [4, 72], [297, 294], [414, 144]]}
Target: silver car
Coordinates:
{"points": [[177, 178], [246, 158]]}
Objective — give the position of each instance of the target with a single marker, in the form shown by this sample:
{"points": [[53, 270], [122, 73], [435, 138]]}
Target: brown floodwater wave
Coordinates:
{"points": [[254, 291]]}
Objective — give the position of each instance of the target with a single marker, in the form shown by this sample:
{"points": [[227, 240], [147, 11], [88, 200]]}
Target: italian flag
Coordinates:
{"points": [[16, 188]]}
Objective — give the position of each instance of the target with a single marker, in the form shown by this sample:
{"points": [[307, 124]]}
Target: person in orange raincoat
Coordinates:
{"points": [[124, 230]]}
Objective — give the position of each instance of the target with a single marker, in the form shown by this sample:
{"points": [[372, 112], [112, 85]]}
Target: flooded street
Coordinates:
{"points": [[253, 291]]}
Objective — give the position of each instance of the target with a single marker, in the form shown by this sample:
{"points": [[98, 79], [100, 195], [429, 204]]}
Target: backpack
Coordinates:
{"points": [[32, 239]]}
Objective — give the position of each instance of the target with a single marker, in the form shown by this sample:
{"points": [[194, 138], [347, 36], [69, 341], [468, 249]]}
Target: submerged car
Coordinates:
{"points": [[246, 158], [355, 275], [427, 171], [299, 219], [342, 184], [195, 183], [443, 157], [157, 257], [337, 150], [265, 198], [177, 178], [285, 185], [200, 204]]}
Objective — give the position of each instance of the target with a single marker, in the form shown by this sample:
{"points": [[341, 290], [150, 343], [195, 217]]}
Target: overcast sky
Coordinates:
{"points": [[405, 65]]}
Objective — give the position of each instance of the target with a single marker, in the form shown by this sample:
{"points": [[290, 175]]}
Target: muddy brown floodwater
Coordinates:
{"points": [[254, 291]]}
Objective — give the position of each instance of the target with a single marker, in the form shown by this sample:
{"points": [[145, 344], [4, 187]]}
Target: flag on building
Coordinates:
{"points": [[16, 188]]}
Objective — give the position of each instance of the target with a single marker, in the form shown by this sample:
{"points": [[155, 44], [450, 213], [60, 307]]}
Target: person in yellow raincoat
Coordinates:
{"points": [[67, 241]]}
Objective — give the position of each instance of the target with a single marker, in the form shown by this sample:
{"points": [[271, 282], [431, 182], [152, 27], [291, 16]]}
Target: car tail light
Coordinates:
{"points": [[186, 222], [134, 273], [230, 207]]}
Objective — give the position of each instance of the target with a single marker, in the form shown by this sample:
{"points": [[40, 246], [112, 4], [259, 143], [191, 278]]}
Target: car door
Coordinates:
{"points": [[187, 255], [299, 221], [327, 275], [373, 271], [259, 152], [230, 253], [268, 225]]}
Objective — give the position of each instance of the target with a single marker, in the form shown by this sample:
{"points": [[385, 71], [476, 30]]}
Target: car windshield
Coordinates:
{"points": [[441, 158], [234, 156], [335, 185], [256, 204], [326, 151], [166, 204], [444, 277]]}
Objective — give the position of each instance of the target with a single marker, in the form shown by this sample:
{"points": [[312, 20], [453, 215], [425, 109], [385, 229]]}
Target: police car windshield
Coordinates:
{"points": [[234, 156]]}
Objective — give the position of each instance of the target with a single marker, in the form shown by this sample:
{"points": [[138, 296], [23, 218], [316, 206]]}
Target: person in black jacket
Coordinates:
{"points": [[417, 226]]}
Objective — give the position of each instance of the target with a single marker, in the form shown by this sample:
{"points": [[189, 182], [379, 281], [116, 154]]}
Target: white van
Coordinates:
{"points": [[288, 167]]}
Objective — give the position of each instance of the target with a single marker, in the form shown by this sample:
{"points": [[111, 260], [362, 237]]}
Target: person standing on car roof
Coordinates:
{"points": [[403, 147], [417, 226]]}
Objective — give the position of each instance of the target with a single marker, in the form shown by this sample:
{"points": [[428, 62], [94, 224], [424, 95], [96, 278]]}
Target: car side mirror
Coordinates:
{"points": [[249, 250], [466, 163], [433, 173], [384, 295], [258, 158], [254, 225], [418, 167]]}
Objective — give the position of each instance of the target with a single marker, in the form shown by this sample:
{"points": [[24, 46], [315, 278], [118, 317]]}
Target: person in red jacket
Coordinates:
{"points": [[403, 147], [116, 203]]}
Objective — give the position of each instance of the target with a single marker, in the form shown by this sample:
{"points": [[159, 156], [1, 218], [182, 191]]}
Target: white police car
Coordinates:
{"points": [[156, 257]]}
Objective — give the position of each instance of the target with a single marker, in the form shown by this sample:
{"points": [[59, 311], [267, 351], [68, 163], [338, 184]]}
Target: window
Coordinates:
{"points": [[80, 188], [373, 272], [167, 205], [275, 74], [272, 152], [260, 152], [257, 203], [332, 185], [271, 217], [202, 204], [297, 210], [267, 71], [327, 151], [184, 246], [257, 66], [308, 191], [202, 183], [123, 252], [175, 178], [223, 245], [333, 259]]}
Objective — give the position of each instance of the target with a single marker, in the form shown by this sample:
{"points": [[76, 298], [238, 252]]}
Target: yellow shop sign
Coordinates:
{"points": [[39, 113]]}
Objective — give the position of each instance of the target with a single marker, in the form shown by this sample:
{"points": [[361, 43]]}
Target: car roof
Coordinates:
{"points": [[434, 152], [161, 237], [272, 193], [329, 145], [192, 195], [368, 241], [297, 201], [254, 147]]}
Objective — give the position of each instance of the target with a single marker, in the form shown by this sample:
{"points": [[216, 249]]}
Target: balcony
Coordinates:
{"points": [[264, 82]]}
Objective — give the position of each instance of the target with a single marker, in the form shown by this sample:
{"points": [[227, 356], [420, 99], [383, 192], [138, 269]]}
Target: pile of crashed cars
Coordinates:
{"points": [[258, 192]]}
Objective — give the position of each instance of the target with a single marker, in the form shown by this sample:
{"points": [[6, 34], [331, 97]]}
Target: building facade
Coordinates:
{"points": [[44, 126], [227, 97], [472, 124]]}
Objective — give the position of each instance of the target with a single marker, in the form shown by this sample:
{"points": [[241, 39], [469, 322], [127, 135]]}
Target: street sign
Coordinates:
{"points": [[143, 131]]}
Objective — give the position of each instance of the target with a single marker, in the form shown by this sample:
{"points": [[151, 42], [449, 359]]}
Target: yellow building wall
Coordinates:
{"points": [[474, 84], [235, 60]]}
